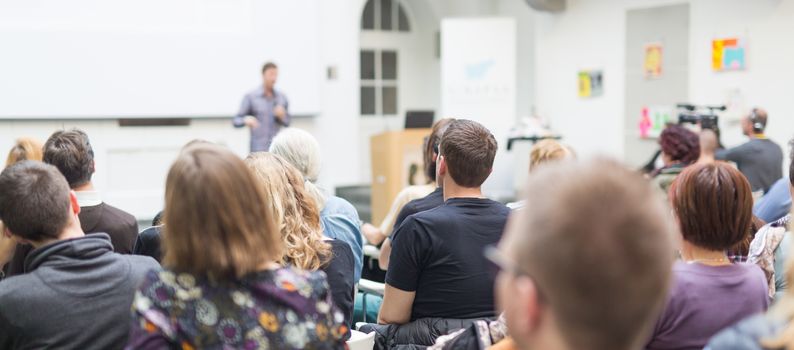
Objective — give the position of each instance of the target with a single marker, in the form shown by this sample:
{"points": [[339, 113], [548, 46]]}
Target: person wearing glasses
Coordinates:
{"points": [[760, 159], [436, 268], [713, 206], [585, 266]]}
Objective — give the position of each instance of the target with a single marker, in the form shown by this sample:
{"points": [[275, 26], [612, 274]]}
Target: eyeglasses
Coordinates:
{"points": [[499, 262]]}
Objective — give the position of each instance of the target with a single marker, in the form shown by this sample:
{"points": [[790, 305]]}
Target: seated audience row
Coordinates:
{"points": [[71, 153], [277, 259]]}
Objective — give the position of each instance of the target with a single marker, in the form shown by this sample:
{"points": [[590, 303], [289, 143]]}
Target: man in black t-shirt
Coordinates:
{"points": [[437, 267]]}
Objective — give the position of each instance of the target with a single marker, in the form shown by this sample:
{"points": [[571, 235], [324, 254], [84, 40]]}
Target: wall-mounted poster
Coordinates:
{"points": [[591, 83], [653, 120], [652, 64], [728, 54]]}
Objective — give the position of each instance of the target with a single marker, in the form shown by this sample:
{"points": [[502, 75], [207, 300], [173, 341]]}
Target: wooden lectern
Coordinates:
{"points": [[392, 154]]}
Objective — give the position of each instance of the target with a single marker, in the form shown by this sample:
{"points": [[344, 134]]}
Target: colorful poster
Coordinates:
{"points": [[653, 120], [652, 65], [591, 83], [728, 54]]}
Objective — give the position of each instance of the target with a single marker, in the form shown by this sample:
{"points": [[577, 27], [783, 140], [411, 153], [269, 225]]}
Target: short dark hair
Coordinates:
{"points": [[34, 200], [469, 150], [591, 243], [268, 65], [432, 145], [71, 152], [714, 205], [680, 144]]}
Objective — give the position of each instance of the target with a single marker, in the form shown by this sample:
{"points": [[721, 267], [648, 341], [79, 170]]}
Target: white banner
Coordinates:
{"points": [[478, 82]]}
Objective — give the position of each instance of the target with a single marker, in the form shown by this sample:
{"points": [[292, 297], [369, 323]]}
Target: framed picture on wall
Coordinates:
{"points": [[591, 83], [652, 63], [728, 54]]}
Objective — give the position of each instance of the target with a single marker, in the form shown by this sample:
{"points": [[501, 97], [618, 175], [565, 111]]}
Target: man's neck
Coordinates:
{"points": [[544, 341], [89, 186], [452, 190], [72, 231], [269, 91], [706, 158]]}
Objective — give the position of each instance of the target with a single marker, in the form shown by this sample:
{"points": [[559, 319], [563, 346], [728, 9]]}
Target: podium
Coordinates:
{"points": [[393, 153]]}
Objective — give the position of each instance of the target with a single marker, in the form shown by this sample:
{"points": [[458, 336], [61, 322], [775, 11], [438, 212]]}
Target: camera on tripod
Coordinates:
{"points": [[705, 116]]}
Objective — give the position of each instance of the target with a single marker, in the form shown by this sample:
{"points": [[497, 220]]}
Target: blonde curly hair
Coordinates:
{"points": [[546, 151], [297, 211]]}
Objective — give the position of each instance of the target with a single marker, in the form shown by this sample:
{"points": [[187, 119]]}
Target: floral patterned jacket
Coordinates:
{"points": [[275, 309]]}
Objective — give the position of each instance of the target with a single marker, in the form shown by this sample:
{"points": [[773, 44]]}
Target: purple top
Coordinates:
{"points": [[706, 299]]}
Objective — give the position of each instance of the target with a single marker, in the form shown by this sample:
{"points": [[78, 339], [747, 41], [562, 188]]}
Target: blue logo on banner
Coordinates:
{"points": [[477, 71]]}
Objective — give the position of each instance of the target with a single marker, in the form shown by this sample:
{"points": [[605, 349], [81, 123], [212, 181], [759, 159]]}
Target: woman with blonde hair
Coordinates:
{"points": [[338, 217], [222, 286], [305, 246], [542, 152], [25, 148]]}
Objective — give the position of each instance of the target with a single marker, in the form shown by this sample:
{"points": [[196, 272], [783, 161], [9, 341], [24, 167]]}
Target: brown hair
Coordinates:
{"points": [[714, 205], [469, 150], [34, 200], [432, 145], [594, 243], [300, 228], [217, 222], [268, 65], [26, 148], [546, 151], [71, 152]]}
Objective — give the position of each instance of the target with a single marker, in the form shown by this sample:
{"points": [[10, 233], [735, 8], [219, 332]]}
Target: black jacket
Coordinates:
{"points": [[417, 335]]}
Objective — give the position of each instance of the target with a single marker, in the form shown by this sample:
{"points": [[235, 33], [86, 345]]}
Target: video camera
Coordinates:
{"points": [[705, 116]]}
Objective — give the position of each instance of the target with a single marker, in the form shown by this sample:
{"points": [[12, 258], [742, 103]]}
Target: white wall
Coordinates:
{"points": [[591, 34], [767, 25], [87, 58]]}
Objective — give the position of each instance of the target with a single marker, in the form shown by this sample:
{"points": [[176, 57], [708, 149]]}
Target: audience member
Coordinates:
{"points": [[713, 206], [25, 148], [776, 203], [760, 159], [338, 217], [545, 151], [585, 266], [376, 235], [436, 267], [680, 148], [709, 144], [771, 245], [149, 240], [430, 201], [71, 152], [773, 330], [305, 246], [77, 292], [222, 286]]}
